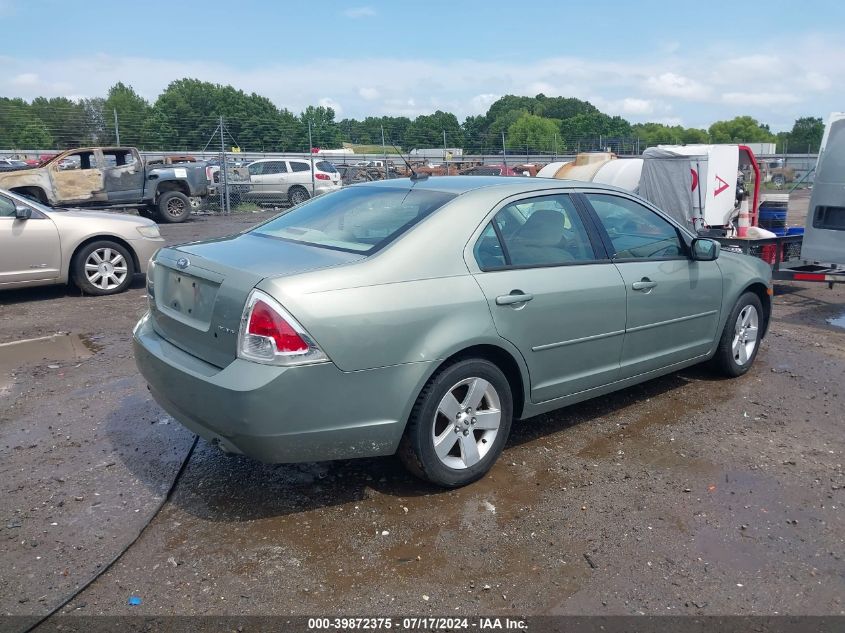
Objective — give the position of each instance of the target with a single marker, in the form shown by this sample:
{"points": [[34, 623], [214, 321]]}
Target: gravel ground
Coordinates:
{"points": [[686, 495]]}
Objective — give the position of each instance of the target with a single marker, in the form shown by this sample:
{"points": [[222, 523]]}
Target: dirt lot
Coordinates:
{"points": [[686, 495]]}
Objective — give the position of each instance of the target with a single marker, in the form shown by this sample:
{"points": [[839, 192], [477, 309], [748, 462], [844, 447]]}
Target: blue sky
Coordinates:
{"points": [[675, 62]]}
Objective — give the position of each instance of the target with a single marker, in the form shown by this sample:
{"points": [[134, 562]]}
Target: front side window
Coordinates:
{"points": [[542, 231], [636, 231], [7, 208], [357, 219]]}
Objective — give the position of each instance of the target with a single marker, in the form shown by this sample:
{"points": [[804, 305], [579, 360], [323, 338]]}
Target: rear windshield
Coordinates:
{"points": [[356, 219], [326, 167]]}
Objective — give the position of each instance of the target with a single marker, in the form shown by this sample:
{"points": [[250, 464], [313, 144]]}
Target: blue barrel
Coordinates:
{"points": [[773, 218]]}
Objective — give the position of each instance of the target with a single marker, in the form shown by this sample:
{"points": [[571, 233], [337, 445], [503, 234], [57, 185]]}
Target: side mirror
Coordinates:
{"points": [[704, 249], [22, 212]]}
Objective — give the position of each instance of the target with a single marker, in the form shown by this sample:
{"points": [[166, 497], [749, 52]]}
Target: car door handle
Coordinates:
{"points": [[516, 296], [645, 284]]}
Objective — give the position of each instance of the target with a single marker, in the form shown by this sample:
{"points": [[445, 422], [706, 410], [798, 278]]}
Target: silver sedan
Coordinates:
{"points": [[423, 316], [100, 252]]}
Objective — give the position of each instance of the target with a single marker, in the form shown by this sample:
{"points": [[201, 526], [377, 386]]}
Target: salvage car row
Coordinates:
{"points": [[118, 177]]}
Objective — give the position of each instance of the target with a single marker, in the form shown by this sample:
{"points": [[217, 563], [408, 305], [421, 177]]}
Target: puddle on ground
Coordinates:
{"points": [[58, 348], [838, 321]]}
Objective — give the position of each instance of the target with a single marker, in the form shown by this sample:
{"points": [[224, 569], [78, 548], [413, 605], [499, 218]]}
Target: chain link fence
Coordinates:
{"points": [[254, 163]]}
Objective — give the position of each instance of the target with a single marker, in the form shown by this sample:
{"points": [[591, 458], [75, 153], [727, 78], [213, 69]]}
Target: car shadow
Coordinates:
{"points": [[57, 291], [231, 488]]}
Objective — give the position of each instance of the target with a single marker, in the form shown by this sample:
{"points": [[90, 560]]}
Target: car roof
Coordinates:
{"points": [[507, 184]]}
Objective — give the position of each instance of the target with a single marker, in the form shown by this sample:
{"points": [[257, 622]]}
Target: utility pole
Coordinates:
{"points": [[384, 152], [504, 152], [311, 154], [445, 159], [555, 146], [116, 128], [224, 196]]}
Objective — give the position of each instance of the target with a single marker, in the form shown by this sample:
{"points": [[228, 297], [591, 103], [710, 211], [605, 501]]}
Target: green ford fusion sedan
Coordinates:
{"points": [[422, 317]]}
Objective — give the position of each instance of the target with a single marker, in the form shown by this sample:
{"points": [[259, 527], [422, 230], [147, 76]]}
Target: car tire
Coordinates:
{"points": [[173, 206], [102, 268], [740, 340], [450, 442], [297, 195]]}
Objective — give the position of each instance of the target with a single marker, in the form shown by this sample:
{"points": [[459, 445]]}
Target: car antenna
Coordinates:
{"points": [[414, 175]]}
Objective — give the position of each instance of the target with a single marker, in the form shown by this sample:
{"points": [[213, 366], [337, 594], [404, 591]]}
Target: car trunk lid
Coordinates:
{"points": [[198, 291]]}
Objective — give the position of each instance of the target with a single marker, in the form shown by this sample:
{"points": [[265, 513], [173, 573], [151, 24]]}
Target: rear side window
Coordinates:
{"points": [[636, 231], [830, 218], [326, 167], [542, 231], [356, 219], [299, 166]]}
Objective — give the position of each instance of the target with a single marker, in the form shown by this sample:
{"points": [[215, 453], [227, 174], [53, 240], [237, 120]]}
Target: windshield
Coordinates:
{"points": [[29, 201], [357, 219]]}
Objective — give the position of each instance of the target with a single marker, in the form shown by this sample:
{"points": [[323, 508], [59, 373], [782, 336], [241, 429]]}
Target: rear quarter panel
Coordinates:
{"points": [[379, 325]]}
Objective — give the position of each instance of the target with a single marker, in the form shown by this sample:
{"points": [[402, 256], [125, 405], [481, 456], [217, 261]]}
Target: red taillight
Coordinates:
{"points": [[269, 334], [264, 321], [322, 177]]}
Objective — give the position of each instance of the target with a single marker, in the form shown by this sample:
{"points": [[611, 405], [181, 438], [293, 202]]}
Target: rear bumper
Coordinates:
{"points": [[277, 414]]}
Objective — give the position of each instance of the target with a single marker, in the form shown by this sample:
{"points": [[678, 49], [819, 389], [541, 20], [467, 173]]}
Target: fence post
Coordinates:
{"points": [[311, 155], [116, 128], [384, 152], [504, 152], [223, 169]]}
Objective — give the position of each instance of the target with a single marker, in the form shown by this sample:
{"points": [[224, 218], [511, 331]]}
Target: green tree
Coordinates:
{"points": [[806, 135], [65, 120], [741, 129], [427, 131], [563, 107], [325, 133], [533, 133], [594, 130], [34, 136], [132, 113]]}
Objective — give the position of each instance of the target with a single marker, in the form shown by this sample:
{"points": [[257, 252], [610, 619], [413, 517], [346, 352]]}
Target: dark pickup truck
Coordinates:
{"points": [[101, 177]]}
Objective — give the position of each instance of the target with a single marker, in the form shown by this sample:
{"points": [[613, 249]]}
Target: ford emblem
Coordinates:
{"points": [[182, 263]]}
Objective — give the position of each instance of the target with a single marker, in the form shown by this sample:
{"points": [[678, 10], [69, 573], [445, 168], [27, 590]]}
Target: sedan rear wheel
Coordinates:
{"points": [[459, 424], [103, 268]]}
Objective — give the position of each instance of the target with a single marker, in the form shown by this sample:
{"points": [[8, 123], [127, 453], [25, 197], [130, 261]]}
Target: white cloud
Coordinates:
{"points": [[26, 79], [630, 105], [328, 102], [359, 12], [817, 81], [481, 103], [760, 98], [369, 94], [639, 88], [670, 84]]}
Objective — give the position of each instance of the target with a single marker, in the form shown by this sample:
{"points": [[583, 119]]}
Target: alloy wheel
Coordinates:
{"points": [[746, 330], [466, 423], [106, 268]]}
